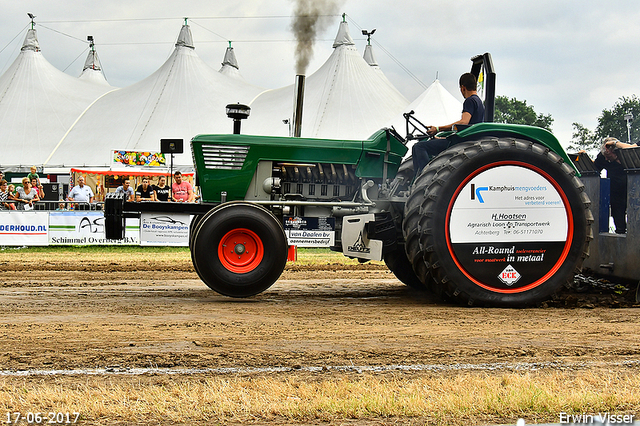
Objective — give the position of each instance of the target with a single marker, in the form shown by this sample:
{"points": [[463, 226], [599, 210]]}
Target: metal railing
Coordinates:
{"points": [[58, 205]]}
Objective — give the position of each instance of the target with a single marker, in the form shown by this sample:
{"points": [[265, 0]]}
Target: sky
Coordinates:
{"points": [[568, 58]]}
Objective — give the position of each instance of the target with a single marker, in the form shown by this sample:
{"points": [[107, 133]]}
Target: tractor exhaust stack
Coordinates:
{"points": [[297, 105]]}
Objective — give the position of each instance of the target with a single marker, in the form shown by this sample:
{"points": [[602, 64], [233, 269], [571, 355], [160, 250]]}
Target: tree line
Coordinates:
{"points": [[611, 122]]}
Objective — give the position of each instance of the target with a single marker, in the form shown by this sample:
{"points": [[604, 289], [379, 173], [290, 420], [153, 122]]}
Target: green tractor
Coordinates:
{"points": [[498, 219]]}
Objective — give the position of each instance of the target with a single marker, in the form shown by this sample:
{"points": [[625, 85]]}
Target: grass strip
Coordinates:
{"points": [[456, 399]]}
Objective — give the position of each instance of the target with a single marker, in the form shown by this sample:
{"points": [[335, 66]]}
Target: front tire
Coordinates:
{"points": [[239, 249]]}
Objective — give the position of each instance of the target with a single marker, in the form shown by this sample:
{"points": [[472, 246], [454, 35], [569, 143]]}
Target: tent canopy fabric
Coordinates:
{"points": [[92, 70], [344, 99], [52, 119], [435, 106], [38, 103], [369, 57], [230, 65], [183, 98]]}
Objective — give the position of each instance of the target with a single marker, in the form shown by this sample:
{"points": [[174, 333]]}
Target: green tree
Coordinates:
{"points": [[612, 122], [583, 138], [514, 111]]}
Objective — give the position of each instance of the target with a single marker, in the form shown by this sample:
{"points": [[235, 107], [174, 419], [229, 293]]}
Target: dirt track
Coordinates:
{"points": [[102, 313]]}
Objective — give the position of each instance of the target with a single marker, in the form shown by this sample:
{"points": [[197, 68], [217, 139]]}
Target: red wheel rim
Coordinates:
{"points": [[240, 250]]}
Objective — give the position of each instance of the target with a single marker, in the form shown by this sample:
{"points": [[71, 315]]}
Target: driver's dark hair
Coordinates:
{"points": [[468, 81]]}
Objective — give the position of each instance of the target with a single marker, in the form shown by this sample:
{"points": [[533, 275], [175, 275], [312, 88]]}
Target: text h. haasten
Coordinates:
{"points": [[508, 216]]}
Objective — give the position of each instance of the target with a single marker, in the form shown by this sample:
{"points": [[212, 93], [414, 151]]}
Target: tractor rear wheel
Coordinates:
{"points": [[397, 260], [193, 228], [502, 222], [410, 223], [239, 249], [398, 263]]}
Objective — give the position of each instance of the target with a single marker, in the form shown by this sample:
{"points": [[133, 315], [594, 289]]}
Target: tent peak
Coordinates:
{"points": [[31, 41], [230, 58], [92, 61], [368, 50], [343, 38], [185, 39], [369, 56]]}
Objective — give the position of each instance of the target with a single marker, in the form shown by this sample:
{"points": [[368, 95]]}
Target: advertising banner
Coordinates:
{"points": [[162, 229], [310, 231], [140, 158], [87, 228], [24, 228]]}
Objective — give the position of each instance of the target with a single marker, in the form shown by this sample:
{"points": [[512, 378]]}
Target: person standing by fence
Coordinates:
{"points": [[145, 192], [4, 196], [26, 195], [81, 193], [608, 159], [182, 191], [126, 189], [162, 190], [38, 186]]}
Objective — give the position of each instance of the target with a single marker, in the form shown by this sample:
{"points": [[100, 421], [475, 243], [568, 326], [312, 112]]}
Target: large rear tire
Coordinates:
{"points": [[502, 222], [193, 227], [410, 224], [239, 249], [397, 260], [398, 263]]}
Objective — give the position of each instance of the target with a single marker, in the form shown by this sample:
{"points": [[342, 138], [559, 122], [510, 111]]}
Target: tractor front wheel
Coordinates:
{"points": [[239, 249]]}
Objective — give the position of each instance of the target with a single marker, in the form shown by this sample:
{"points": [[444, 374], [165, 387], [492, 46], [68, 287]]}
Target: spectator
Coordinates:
{"points": [[145, 191], [34, 174], [4, 196], [81, 193], [613, 143], [125, 189], [608, 159], [38, 186], [99, 194], [26, 195], [162, 190], [181, 191]]}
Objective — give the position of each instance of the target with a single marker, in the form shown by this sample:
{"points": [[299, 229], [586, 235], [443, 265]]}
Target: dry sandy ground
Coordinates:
{"points": [[122, 314]]}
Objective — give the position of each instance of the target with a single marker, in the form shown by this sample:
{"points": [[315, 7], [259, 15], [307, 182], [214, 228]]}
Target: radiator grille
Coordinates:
{"points": [[224, 157]]}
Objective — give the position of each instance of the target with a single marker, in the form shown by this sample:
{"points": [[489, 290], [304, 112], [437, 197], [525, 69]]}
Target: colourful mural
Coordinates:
{"points": [[140, 158]]}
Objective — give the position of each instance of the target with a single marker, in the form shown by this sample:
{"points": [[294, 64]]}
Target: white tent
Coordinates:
{"points": [[38, 103], [92, 70], [344, 99], [369, 57], [230, 64], [183, 98], [435, 106]]}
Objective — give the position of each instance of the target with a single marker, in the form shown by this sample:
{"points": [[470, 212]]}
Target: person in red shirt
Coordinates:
{"points": [[181, 191]]}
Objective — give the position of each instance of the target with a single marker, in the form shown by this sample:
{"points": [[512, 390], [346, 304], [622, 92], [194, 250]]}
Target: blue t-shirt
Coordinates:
{"points": [[473, 105]]}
